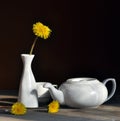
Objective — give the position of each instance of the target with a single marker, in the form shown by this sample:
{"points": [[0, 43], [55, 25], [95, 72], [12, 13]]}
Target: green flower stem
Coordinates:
{"points": [[33, 45]]}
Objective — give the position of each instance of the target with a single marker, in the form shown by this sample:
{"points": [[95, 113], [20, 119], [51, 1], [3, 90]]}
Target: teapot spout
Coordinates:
{"points": [[55, 93]]}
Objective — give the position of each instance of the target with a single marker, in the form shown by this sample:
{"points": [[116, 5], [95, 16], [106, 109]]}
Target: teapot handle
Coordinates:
{"points": [[113, 87]]}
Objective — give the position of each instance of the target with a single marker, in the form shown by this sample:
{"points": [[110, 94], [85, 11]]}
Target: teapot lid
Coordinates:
{"points": [[80, 79]]}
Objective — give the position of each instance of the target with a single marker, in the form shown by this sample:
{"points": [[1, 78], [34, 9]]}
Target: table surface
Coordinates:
{"points": [[106, 112]]}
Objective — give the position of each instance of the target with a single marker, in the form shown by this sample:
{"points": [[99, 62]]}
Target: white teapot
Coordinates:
{"points": [[82, 92]]}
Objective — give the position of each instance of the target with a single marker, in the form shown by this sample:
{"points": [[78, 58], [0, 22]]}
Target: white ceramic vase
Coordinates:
{"points": [[27, 90]]}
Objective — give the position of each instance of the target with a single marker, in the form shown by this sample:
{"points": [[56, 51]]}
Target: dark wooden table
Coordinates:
{"points": [[110, 111]]}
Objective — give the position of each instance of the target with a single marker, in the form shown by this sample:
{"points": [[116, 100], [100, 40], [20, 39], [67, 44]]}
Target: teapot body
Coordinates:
{"points": [[84, 92]]}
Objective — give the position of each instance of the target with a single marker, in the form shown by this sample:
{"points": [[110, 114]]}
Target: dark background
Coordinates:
{"points": [[84, 40]]}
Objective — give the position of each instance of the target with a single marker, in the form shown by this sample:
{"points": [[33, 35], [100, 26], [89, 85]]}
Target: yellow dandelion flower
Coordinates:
{"points": [[18, 109], [53, 107], [41, 31]]}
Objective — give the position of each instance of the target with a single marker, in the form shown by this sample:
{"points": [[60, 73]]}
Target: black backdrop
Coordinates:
{"points": [[84, 40]]}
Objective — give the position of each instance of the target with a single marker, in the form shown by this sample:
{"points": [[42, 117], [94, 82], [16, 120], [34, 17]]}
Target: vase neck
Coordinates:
{"points": [[27, 59]]}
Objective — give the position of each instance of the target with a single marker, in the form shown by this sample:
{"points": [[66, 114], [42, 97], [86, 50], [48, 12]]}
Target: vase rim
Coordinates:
{"points": [[27, 55]]}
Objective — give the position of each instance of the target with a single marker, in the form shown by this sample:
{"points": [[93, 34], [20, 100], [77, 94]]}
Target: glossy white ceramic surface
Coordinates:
{"points": [[82, 92]]}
